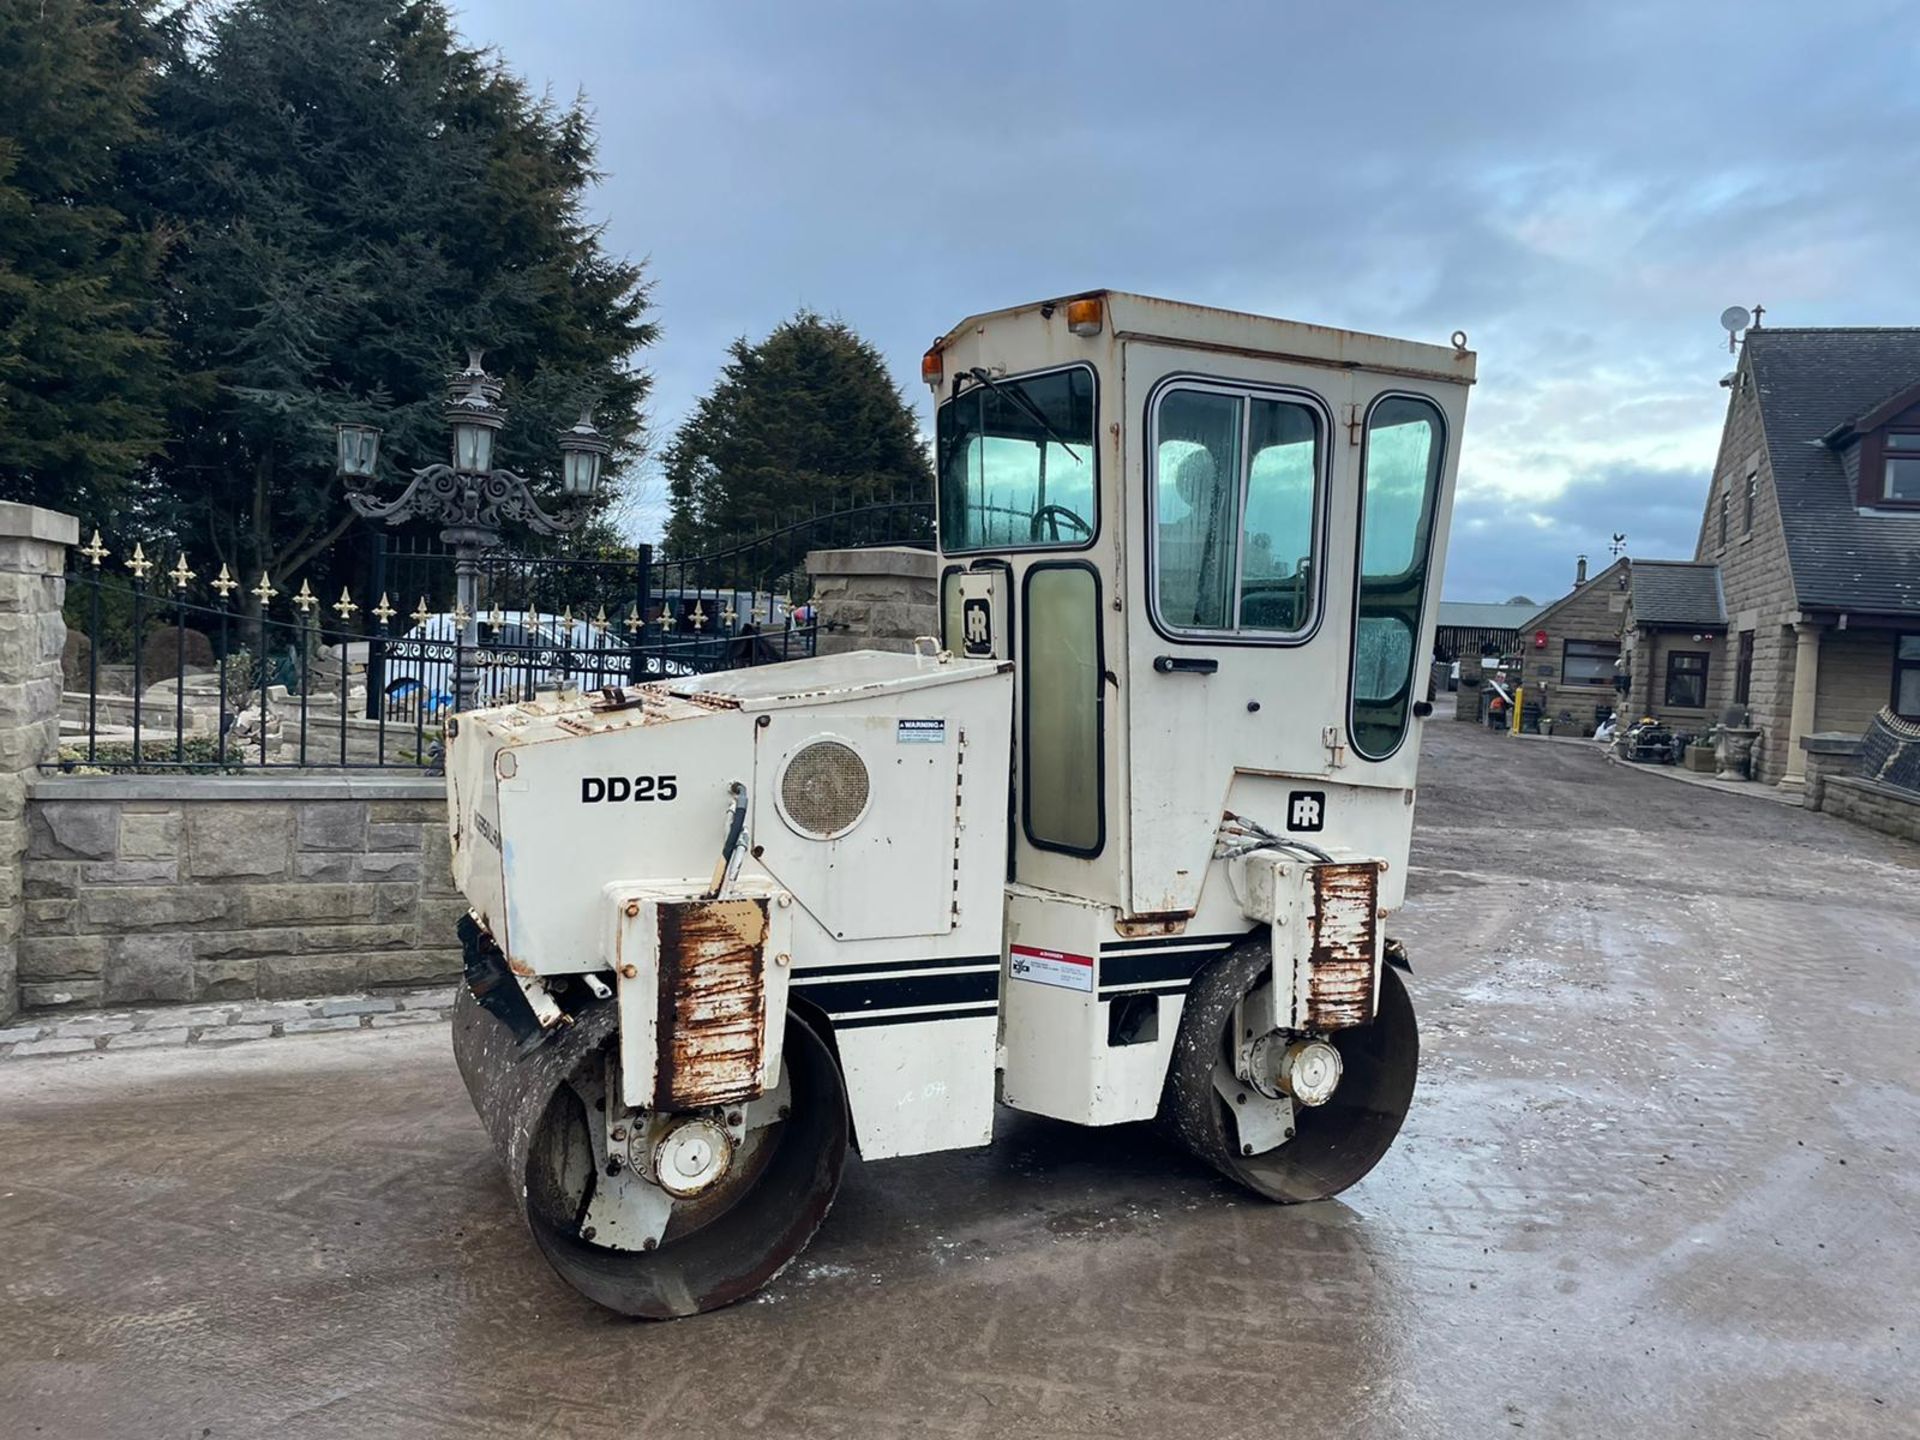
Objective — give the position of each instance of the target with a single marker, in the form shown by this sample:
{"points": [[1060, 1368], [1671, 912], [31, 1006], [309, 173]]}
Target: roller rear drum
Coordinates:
{"points": [[1334, 1144]]}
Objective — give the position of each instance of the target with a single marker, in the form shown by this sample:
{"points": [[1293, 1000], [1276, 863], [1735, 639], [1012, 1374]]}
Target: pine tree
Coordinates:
{"points": [[360, 198], [83, 364], [807, 419]]}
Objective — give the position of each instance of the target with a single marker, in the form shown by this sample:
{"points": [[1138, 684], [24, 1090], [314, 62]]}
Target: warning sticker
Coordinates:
{"points": [[920, 732], [1051, 967]]}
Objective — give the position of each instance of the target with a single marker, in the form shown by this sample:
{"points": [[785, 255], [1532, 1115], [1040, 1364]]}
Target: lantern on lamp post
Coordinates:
{"points": [[582, 451], [357, 450], [473, 499]]}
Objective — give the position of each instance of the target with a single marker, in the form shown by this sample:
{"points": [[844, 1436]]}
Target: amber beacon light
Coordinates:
{"points": [[1083, 316]]}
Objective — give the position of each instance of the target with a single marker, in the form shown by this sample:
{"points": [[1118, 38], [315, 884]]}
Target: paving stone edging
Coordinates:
{"points": [[178, 1026]]}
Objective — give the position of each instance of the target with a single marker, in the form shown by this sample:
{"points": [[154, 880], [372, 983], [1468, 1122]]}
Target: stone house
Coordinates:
{"points": [[1674, 630], [1813, 522], [1570, 650]]}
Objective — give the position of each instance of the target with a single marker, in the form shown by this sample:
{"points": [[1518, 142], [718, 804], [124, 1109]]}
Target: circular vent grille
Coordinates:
{"points": [[825, 789]]}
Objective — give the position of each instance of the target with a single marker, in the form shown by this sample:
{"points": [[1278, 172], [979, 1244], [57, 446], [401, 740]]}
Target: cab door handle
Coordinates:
{"points": [[1185, 665]]}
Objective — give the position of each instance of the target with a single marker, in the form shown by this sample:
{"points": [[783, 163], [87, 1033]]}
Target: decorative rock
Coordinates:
{"points": [[229, 1034], [120, 909], [225, 979], [63, 957], [320, 1023], [130, 872], [286, 976], [357, 1007], [149, 967], [53, 1047], [333, 826], [150, 836], [305, 904], [238, 839], [147, 1039], [73, 832], [393, 837]]}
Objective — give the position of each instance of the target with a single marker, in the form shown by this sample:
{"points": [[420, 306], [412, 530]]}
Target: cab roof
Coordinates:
{"points": [[1204, 327]]}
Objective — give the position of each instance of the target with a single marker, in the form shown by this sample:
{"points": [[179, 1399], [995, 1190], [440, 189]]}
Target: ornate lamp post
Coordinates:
{"points": [[473, 500]]}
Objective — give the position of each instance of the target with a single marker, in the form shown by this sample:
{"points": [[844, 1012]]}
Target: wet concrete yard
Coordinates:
{"points": [[1662, 1178]]}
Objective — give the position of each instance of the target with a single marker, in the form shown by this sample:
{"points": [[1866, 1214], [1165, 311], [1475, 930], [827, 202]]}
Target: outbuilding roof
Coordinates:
{"points": [[1813, 384], [1678, 592]]}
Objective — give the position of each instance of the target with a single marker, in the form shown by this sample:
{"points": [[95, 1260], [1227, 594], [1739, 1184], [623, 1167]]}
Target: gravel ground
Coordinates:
{"points": [[1660, 1180]]}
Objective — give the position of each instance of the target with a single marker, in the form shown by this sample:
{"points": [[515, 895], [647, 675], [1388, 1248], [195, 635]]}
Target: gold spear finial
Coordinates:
{"points": [[264, 591], [344, 606], [181, 574], [139, 564]]}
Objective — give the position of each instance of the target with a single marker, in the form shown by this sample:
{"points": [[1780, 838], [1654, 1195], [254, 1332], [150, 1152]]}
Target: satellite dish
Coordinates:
{"points": [[1734, 319]]}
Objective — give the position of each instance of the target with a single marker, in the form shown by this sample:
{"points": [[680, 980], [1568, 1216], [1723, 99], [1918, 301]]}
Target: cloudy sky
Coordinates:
{"points": [[1581, 187]]}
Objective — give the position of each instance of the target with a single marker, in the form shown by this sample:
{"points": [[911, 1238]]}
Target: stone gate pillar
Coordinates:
{"points": [[876, 597], [33, 566]]}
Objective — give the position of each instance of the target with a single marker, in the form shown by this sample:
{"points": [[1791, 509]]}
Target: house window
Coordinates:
{"points": [[1753, 493], [1726, 508], [1902, 480], [1588, 662], [1687, 680], [1743, 670], [1906, 676]]}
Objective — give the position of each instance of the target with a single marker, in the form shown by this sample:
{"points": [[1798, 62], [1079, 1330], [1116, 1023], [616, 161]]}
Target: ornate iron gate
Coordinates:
{"points": [[180, 671]]}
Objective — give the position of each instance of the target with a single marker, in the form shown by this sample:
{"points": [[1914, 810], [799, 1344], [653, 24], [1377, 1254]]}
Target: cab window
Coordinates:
{"points": [[1017, 463], [1063, 730], [1400, 482], [1236, 496]]}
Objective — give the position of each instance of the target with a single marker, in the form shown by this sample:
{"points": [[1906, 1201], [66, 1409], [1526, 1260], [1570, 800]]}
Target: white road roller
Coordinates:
{"points": [[1118, 844]]}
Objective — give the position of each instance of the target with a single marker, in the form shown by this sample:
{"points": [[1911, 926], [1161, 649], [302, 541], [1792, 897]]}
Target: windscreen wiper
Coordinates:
{"points": [[1018, 397]]}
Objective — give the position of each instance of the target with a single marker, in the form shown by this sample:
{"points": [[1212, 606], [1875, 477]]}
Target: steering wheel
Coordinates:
{"points": [[1053, 515]]}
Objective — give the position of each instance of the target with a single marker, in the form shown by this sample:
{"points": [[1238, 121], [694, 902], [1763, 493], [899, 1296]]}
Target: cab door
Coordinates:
{"points": [[1238, 648]]}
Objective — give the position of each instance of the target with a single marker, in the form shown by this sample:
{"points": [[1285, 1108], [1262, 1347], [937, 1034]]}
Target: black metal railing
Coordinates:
{"points": [[759, 579], [172, 671]]}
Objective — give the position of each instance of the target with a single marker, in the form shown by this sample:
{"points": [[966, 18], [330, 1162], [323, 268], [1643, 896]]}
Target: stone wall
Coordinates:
{"points": [[222, 888], [1827, 755], [33, 560], [1885, 808], [877, 598]]}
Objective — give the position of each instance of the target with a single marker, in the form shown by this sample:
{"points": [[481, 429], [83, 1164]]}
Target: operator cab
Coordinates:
{"points": [[1209, 542]]}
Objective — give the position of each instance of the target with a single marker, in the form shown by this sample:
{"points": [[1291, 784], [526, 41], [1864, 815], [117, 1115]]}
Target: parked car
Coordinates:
{"points": [[520, 651]]}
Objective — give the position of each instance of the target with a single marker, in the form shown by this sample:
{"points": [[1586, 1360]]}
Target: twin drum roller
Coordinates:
{"points": [[1119, 843]]}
